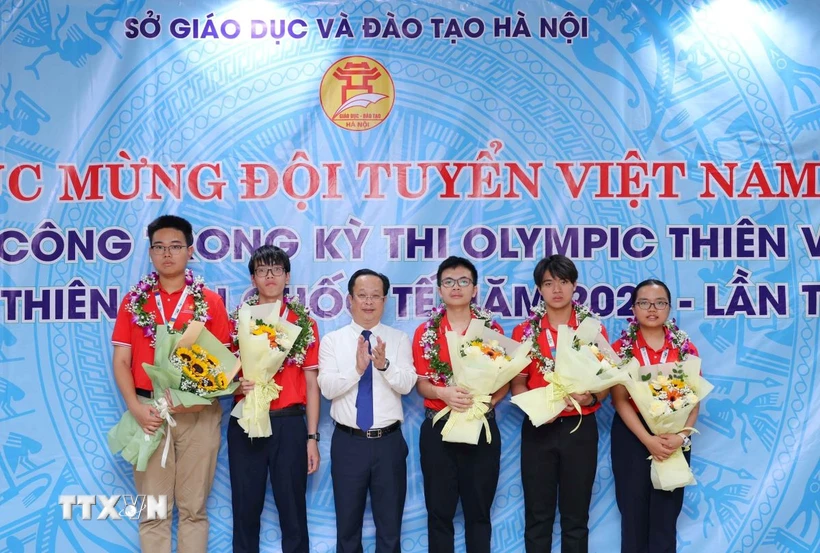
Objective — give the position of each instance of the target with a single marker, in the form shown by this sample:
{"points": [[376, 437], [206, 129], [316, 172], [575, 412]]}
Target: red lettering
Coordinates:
{"points": [[712, 173], [87, 190], [757, 179], [14, 182]]}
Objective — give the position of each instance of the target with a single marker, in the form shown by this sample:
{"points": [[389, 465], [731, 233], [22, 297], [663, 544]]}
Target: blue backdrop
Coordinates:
{"points": [[665, 138]]}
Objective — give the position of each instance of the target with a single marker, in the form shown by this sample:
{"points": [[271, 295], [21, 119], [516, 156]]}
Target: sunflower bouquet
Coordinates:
{"points": [[486, 361], [193, 368], [584, 362], [265, 340]]}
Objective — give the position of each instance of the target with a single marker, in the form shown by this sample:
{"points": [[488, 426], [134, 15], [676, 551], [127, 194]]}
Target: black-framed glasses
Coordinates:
{"points": [[276, 270], [173, 249], [660, 305], [462, 282]]}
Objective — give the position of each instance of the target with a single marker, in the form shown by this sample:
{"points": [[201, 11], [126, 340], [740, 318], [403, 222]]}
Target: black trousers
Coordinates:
{"points": [[459, 471], [283, 458], [649, 517], [359, 465], [558, 467]]}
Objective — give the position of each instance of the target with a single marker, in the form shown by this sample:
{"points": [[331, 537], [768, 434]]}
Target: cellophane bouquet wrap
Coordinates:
{"points": [[483, 360], [194, 367], [265, 339], [665, 395], [584, 362]]}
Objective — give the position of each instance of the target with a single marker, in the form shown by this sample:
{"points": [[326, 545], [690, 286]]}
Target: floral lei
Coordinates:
{"points": [[442, 372], [306, 337], [532, 329], [139, 293], [674, 335]]}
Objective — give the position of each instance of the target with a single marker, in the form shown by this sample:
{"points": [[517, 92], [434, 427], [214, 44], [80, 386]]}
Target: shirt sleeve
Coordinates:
{"points": [[421, 364], [333, 379], [121, 336], [312, 352], [218, 324], [518, 336], [401, 375]]}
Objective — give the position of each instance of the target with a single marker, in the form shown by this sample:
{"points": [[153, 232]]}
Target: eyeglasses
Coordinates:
{"points": [[462, 282], [362, 298], [174, 249], [276, 270], [660, 305]]}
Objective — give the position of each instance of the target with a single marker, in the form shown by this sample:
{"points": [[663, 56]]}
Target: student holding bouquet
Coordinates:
{"points": [[454, 471], [557, 465], [648, 516], [170, 296], [291, 452]]}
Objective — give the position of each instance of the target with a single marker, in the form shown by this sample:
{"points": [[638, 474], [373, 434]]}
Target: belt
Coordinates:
{"points": [[373, 433], [144, 393], [289, 411], [431, 414]]}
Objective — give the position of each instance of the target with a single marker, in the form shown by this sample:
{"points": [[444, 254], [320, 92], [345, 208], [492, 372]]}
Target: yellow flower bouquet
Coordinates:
{"points": [[265, 339], [483, 361], [584, 362], [665, 395]]}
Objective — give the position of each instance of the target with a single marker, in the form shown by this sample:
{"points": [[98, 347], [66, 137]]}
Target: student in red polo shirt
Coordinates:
{"points": [[170, 296], [284, 455], [454, 471], [557, 466], [648, 516]]}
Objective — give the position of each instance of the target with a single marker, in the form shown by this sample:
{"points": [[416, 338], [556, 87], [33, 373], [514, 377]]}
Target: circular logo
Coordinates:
{"points": [[357, 93], [131, 511]]}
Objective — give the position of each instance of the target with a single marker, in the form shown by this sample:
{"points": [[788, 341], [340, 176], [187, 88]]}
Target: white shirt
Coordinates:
{"points": [[338, 378]]}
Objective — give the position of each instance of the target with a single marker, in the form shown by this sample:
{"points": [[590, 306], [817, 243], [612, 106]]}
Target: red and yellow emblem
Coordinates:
{"points": [[357, 93]]}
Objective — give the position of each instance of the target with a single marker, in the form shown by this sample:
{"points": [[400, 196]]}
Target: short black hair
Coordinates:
{"points": [[367, 272], [174, 222], [269, 255], [649, 282], [559, 266], [454, 262]]}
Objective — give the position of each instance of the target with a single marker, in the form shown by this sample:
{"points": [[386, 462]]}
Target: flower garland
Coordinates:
{"points": [[302, 343], [674, 335], [139, 294], [441, 372], [532, 330]]}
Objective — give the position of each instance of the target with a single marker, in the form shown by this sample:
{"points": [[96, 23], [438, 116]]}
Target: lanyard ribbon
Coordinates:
{"points": [[646, 360], [177, 309]]}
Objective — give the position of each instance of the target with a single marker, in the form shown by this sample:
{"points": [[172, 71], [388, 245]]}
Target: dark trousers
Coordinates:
{"points": [[648, 516], [359, 464], [283, 457], [558, 468], [453, 471]]}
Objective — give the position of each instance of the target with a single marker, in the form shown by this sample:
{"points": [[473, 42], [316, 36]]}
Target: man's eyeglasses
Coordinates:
{"points": [[362, 298], [463, 282], [174, 249], [276, 270], [660, 305]]}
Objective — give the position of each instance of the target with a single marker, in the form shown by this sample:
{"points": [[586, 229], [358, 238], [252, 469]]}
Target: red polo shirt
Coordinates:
{"points": [[292, 378], [128, 334], [423, 365], [534, 377], [655, 356]]}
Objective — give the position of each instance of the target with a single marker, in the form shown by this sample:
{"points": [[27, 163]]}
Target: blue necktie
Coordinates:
{"points": [[364, 399]]}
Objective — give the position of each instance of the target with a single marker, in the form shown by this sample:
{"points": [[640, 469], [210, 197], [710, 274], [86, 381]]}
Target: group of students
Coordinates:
{"points": [[364, 369]]}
